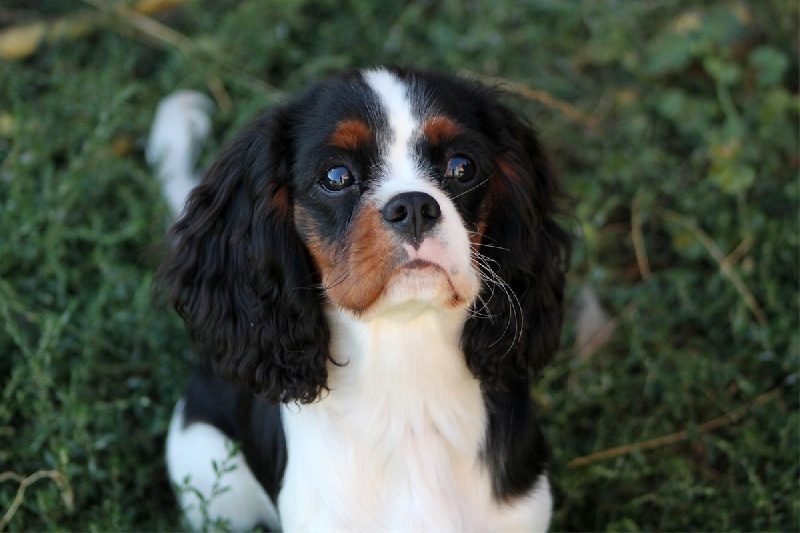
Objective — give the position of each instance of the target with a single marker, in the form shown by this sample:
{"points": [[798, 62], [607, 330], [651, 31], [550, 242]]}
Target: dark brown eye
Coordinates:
{"points": [[460, 168], [337, 179]]}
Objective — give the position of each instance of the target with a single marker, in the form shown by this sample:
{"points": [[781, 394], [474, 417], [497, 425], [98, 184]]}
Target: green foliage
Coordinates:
{"points": [[692, 144]]}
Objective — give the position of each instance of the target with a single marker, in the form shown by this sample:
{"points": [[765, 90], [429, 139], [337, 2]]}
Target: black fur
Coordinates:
{"points": [[212, 400], [530, 251], [238, 275], [263, 442], [516, 451]]}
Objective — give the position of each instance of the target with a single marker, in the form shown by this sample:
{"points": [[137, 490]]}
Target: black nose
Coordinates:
{"points": [[412, 214]]}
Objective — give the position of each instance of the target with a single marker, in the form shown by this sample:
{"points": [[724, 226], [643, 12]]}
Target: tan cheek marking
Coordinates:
{"points": [[354, 273], [350, 135], [321, 254], [440, 129], [360, 274]]}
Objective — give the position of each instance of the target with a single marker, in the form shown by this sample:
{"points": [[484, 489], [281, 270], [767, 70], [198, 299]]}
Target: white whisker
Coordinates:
{"points": [[473, 187], [494, 281]]}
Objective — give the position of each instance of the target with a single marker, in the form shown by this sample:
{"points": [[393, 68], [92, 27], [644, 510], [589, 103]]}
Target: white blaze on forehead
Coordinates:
{"points": [[393, 94], [401, 170]]}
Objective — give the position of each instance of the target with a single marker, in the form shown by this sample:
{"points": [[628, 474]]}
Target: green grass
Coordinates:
{"points": [[685, 143]]}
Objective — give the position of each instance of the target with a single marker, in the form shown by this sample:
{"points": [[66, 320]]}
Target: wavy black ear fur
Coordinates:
{"points": [[236, 271], [528, 250]]}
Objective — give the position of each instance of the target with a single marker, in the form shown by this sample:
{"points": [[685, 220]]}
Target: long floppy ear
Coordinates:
{"points": [[240, 278], [528, 251]]}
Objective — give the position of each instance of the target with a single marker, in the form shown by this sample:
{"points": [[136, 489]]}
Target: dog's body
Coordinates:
{"points": [[375, 271]]}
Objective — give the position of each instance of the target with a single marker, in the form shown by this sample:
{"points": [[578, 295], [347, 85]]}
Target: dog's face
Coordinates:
{"points": [[391, 191], [377, 191]]}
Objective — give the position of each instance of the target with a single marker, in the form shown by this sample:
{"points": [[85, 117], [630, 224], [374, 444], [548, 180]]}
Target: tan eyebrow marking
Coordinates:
{"points": [[350, 135], [440, 129]]}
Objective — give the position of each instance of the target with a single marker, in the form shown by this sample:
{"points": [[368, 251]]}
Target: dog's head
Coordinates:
{"points": [[375, 192]]}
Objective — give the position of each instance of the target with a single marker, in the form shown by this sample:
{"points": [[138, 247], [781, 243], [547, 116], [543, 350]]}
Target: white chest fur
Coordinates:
{"points": [[396, 443]]}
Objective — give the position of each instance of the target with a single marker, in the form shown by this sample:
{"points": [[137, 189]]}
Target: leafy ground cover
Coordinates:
{"points": [[674, 126]]}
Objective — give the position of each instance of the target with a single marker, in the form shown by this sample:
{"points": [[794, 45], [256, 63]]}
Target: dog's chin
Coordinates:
{"points": [[419, 285]]}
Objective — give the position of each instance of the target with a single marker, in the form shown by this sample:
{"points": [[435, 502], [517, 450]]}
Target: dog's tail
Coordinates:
{"points": [[180, 128]]}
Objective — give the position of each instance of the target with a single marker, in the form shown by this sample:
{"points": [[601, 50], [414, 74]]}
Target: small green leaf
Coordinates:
{"points": [[733, 178], [722, 71], [770, 65]]}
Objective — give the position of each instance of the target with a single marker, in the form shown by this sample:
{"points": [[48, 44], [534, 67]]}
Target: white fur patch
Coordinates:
{"points": [[395, 445], [396, 102]]}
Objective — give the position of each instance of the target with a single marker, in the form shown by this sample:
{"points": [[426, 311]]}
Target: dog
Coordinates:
{"points": [[374, 274]]}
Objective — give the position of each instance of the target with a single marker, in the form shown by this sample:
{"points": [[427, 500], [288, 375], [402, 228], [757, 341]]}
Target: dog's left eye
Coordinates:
{"points": [[460, 168], [337, 179]]}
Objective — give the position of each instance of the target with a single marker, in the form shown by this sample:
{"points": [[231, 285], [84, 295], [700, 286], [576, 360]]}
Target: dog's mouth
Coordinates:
{"points": [[420, 264]]}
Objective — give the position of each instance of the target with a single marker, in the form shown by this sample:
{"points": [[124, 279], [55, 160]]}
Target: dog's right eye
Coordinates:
{"points": [[460, 168], [337, 179]]}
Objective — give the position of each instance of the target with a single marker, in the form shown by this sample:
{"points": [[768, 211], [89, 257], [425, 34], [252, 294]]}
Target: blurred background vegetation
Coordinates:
{"points": [[674, 124]]}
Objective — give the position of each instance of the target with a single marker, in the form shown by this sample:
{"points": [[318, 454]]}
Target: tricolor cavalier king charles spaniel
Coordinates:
{"points": [[373, 273]]}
